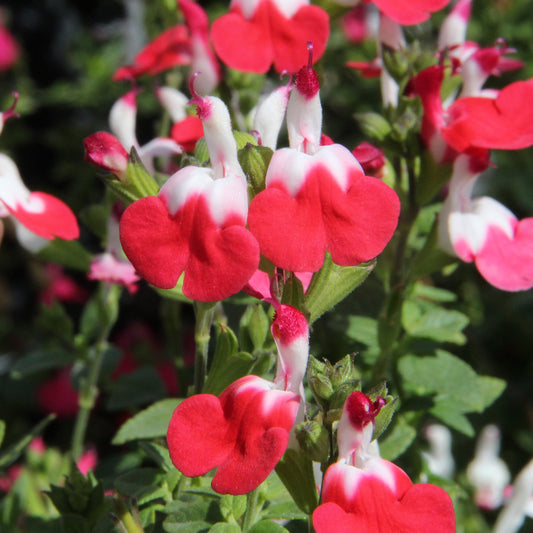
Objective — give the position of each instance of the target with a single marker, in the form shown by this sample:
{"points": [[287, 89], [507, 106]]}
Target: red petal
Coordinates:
{"points": [[408, 12], [508, 263], [187, 132], [270, 37], [153, 242], [290, 37], [244, 44], [222, 260], [198, 435], [505, 123], [355, 226], [55, 220], [217, 261], [170, 48]]}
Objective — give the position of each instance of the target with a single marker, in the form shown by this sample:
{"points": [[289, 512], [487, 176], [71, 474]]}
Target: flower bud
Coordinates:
{"points": [[106, 152]]}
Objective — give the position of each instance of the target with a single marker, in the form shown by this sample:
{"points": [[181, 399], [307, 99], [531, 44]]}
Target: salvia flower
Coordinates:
{"points": [[42, 214], [244, 432], [258, 33], [317, 198], [196, 224], [484, 231], [487, 472], [362, 492]]}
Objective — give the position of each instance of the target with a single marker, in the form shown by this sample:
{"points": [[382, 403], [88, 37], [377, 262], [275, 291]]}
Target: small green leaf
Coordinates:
{"points": [[41, 360], [12, 453], [455, 387], [398, 440], [295, 470], [429, 321], [228, 364], [150, 423], [253, 328], [2, 431], [374, 126], [139, 387], [267, 526], [191, 517], [70, 254], [331, 284], [143, 484], [224, 527]]}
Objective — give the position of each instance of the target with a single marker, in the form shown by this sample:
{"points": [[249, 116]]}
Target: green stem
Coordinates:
{"points": [[202, 334], [390, 328], [250, 515], [89, 385], [125, 518]]}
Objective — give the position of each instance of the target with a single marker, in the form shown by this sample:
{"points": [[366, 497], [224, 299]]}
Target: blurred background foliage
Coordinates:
{"points": [[69, 52]]}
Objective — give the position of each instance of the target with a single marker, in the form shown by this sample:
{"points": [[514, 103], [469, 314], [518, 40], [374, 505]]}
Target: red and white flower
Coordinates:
{"points": [[45, 216], [196, 224], [122, 122], [258, 33], [317, 198], [486, 232], [362, 492], [245, 431]]}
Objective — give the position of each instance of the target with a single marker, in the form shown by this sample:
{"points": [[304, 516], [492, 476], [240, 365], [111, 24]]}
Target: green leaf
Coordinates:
{"points": [[191, 517], [362, 329], [267, 526], [253, 328], [374, 126], [41, 360], [455, 387], [228, 365], [295, 470], [429, 321], [139, 387], [70, 254], [12, 453], [331, 284], [143, 484], [398, 440], [2, 431], [224, 527], [150, 423]]}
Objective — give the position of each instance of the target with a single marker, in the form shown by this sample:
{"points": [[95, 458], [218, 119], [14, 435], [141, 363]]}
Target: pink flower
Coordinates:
{"points": [[317, 198], [61, 287], [244, 432], [57, 395], [42, 214], [170, 48], [362, 492], [259, 33], [9, 49], [483, 230], [112, 266], [196, 224]]}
